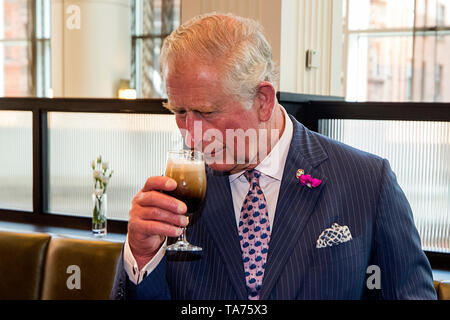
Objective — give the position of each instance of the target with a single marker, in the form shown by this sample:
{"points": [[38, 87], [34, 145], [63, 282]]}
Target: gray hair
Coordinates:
{"points": [[236, 44]]}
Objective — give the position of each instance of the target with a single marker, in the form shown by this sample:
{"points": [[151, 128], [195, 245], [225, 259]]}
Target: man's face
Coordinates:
{"points": [[204, 112]]}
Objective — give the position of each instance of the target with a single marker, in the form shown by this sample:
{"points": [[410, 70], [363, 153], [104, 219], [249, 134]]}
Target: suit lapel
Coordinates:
{"points": [[295, 203], [221, 222]]}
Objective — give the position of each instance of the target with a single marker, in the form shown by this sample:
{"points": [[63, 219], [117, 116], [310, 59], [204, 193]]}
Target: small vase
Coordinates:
{"points": [[99, 219]]}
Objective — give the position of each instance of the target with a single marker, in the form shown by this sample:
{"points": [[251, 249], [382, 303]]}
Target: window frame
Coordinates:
{"points": [[138, 36], [438, 31], [40, 107], [38, 42]]}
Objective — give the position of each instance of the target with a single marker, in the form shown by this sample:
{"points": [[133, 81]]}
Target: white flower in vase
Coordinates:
{"points": [[97, 174], [105, 180], [98, 192], [101, 176]]}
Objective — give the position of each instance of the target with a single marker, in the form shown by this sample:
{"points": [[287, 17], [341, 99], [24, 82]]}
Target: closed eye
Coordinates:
{"points": [[175, 111], [179, 112]]}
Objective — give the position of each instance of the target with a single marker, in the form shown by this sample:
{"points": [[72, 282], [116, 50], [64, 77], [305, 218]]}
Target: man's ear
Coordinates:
{"points": [[266, 97]]}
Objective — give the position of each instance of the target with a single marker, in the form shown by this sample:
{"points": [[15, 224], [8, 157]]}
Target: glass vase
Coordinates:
{"points": [[99, 217]]}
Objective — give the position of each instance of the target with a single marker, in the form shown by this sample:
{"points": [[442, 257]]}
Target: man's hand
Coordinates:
{"points": [[154, 216]]}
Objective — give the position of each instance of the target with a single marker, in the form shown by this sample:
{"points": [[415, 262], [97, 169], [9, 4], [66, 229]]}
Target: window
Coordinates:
{"points": [[438, 82], [135, 145], [409, 81], [418, 154], [15, 46], [24, 47], [42, 49], [397, 50], [16, 161], [153, 20], [440, 21]]}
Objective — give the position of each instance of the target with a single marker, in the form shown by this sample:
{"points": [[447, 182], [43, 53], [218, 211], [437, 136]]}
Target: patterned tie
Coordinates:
{"points": [[254, 235]]}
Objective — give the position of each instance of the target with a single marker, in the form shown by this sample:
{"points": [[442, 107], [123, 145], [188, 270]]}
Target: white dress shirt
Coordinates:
{"points": [[271, 169]]}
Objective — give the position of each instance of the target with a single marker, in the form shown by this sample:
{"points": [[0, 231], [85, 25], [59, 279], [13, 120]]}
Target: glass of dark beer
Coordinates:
{"points": [[187, 168]]}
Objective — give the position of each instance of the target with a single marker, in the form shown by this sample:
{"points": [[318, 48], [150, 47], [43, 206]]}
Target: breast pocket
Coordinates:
{"points": [[338, 252], [339, 271]]}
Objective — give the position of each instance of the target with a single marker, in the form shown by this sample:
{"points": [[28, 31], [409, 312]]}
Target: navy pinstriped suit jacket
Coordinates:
{"points": [[358, 190]]}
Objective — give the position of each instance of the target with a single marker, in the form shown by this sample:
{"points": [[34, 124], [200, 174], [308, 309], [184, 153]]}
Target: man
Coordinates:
{"points": [[308, 218]]}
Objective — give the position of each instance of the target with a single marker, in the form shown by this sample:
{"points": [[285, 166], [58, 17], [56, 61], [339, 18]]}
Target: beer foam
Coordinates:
{"points": [[187, 165]]}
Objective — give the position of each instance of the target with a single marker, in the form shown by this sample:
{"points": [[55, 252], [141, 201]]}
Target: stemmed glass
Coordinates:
{"points": [[187, 168]]}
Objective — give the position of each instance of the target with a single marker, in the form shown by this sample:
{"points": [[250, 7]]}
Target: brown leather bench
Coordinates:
{"points": [[443, 289], [38, 266]]}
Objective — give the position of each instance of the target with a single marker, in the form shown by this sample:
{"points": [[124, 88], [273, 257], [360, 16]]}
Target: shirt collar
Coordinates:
{"points": [[273, 164]]}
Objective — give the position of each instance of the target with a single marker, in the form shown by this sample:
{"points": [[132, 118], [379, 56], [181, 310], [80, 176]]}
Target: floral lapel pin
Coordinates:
{"points": [[307, 180]]}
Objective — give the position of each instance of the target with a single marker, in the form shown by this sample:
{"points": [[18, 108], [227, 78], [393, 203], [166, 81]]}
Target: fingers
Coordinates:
{"points": [[155, 215], [159, 183], [160, 200], [161, 215], [152, 227]]}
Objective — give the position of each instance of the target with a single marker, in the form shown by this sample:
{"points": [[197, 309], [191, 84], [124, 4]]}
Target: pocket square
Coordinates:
{"points": [[333, 236]]}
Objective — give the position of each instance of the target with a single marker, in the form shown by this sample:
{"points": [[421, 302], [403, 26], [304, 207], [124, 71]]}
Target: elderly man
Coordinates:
{"points": [[308, 218]]}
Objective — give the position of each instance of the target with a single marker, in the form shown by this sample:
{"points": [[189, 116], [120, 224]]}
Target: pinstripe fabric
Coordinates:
{"points": [[358, 190]]}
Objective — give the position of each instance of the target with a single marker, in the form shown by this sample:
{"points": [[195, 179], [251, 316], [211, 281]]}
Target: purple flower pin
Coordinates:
{"points": [[307, 180]]}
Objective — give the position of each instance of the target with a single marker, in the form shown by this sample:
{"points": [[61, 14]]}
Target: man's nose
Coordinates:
{"points": [[194, 130]]}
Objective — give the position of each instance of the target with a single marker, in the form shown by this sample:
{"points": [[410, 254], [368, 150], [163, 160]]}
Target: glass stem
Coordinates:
{"points": [[182, 236]]}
